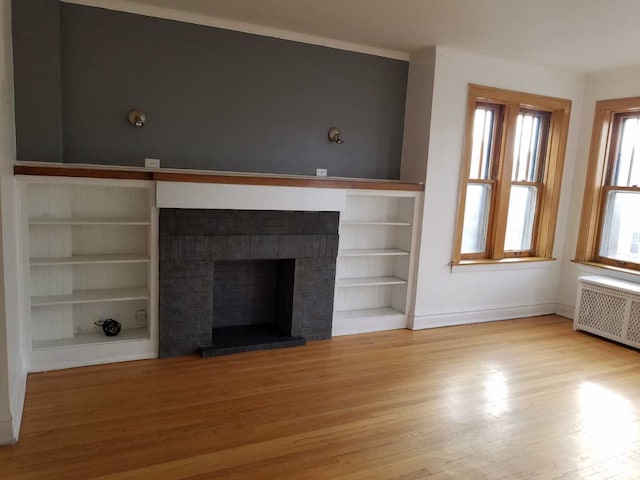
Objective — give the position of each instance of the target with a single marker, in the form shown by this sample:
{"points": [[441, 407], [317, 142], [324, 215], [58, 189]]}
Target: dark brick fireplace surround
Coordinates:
{"points": [[244, 256]]}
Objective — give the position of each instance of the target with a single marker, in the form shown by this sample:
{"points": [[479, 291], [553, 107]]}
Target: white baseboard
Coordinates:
{"points": [[565, 310], [17, 403], [10, 424], [42, 365], [6, 431], [490, 314]]}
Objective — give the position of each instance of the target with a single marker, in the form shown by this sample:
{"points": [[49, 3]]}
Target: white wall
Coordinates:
{"points": [[488, 292], [12, 374], [618, 83]]}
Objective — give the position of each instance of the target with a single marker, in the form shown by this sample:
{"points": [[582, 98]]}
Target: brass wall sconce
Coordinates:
{"points": [[137, 118], [335, 135]]}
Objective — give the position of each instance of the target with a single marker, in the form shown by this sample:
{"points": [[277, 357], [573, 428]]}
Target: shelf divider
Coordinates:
{"points": [[369, 281], [370, 252], [89, 221], [366, 313], [89, 259], [92, 296], [374, 223], [92, 338]]}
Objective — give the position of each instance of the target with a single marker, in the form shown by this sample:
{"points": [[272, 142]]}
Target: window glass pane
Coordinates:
{"points": [[626, 171], [483, 126], [621, 229], [476, 218], [521, 217], [528, 146]]}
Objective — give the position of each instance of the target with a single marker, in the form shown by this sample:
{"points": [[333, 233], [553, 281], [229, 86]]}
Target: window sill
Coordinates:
{"points": [[503, 264], [604, 266]]}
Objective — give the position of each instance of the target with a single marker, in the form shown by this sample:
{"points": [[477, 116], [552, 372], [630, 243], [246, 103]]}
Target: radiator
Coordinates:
{"points": [[609, 308]]}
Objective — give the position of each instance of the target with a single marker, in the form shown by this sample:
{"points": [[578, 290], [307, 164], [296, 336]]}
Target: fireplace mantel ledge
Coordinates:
{"points": [[203, 176]]}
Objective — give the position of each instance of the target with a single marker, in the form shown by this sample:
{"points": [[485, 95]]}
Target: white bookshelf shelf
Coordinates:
{"points": [[88, 259], [91, 255], [93, 338], [376, 224], [371, 252], [92, 296], [89, 221], [374, 267], [367, 313], [370, 281]]}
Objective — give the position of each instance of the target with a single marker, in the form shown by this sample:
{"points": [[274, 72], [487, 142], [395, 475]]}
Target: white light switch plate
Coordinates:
{"points": [[321, 172], [152, 162]]}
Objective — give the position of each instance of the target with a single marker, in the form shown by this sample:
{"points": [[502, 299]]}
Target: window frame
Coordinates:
{"points": [[512, 104], [608, 117], [497, 139]]}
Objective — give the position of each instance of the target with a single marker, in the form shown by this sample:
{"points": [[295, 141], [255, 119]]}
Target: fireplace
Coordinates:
{"points": [[252, 306], [239, 280]]}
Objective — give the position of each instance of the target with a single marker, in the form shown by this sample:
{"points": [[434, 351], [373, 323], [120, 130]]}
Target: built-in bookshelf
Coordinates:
{"points": [[375, 261], [90, 257]]}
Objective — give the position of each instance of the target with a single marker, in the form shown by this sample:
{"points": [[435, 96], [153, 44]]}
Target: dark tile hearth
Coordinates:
{"points": [[239, 268], [248, 338]]}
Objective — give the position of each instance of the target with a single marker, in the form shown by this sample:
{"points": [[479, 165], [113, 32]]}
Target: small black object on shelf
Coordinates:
{"points": [[110, 327]]}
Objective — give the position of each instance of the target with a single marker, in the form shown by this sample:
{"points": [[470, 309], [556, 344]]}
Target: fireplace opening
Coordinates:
{"points": [[252, 306]]}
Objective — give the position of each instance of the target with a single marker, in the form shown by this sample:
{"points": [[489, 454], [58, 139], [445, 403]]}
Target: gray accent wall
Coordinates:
{"points": [[218, 99], [38, 86]]}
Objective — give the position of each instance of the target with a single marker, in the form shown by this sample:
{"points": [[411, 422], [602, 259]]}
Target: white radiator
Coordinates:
{"points": [[609, 308]]}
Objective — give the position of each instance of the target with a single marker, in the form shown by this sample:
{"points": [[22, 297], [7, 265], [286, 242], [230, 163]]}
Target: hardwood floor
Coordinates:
{"points": [[507, 400]]}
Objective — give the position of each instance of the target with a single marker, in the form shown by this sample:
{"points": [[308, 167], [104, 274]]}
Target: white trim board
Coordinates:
{"points": [[248, 197], [17, 403], [210, 21], [564, 310], [6, 431], [489, 314]]}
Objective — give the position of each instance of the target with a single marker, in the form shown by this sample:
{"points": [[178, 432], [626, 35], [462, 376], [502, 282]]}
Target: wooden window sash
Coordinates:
{"points": [[483, 254], [552, 181], [603, 149], [505, 171], [472, 103], [606, 189], [615, 139], [543, 141], [536, 223], [549, 171], [496, 136]]}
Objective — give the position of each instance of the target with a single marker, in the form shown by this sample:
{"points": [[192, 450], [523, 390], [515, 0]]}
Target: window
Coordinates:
{"points": [[511, 175], [610, 226]]}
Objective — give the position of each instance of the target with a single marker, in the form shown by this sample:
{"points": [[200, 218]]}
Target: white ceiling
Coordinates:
{"points": [[581, 35]]}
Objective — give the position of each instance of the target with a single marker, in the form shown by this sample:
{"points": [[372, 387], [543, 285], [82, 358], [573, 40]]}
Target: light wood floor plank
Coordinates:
{"points": [[518, 399]]}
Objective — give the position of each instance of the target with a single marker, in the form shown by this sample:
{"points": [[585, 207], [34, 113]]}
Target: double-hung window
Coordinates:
{"points": [[511, 175], [610, 226]]}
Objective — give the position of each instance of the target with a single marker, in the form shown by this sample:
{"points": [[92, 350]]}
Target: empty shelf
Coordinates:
{"points": [[89, 221], [370, 281], [92, 338], [92, 296], [369, 252], [87, 259], [372, 223], [367, 313]]}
